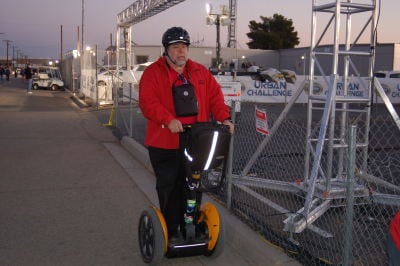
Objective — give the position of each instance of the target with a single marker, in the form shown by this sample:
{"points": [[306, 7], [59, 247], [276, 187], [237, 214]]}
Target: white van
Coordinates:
{"points": [[126, 79]]}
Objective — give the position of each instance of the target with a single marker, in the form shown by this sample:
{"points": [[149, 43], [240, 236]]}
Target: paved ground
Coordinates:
{"points": [[71, 193]]}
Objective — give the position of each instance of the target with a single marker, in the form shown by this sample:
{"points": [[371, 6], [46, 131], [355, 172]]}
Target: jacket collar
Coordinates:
{"points": [[190, 65]]}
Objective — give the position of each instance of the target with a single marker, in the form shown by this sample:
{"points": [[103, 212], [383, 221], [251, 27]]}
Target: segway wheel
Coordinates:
{"points": [[152, 241], [214, 228]]}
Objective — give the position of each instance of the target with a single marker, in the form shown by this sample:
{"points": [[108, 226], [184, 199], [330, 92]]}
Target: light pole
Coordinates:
{"points": [[303, 60], [75, 55], [217, 19], [1, 33], [8, 45], [13, 56], [243, 65], [83, 16], [93, 57]]}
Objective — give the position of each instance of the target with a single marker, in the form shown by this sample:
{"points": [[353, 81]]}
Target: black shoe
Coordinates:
{"points": [[175, 238], [201, 235]]}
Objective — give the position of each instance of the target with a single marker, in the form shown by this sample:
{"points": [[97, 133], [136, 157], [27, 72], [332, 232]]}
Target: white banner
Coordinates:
{"points": [[232, 92], [280, 90]]}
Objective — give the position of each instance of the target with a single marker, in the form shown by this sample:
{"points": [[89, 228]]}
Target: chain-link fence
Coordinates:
{"points": [[275, 189], [350, 215]]}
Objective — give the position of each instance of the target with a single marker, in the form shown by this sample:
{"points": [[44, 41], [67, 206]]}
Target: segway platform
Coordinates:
{"points": [[203, 232]]}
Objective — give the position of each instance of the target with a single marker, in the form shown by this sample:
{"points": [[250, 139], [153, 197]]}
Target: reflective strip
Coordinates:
{"points": [[212, 151], [190, 158]]}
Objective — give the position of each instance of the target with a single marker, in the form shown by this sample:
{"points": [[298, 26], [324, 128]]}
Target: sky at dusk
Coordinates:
{"points": [[34, 27]]}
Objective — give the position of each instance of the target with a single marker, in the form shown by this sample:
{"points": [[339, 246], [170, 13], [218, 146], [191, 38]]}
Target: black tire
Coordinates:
{"points": [[151, 237], [54, 87], [35, 86], [219, 246]]}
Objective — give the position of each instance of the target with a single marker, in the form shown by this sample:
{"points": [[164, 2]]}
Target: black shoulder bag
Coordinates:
{"points": [[185, 100]]}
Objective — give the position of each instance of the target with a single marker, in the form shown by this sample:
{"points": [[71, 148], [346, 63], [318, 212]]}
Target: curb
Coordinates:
{"points": [[81, 103], [242, 239]]}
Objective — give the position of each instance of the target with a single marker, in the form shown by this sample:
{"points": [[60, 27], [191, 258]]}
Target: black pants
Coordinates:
{"points": [[170, 173]]}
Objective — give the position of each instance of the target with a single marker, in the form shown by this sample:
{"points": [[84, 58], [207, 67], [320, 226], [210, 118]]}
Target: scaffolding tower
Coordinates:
{"points": [[328, 116], [232, 24], [139, 11]]}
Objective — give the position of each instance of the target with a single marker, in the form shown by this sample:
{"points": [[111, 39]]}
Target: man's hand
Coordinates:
{"points": [[175, 126], [231, 126]]}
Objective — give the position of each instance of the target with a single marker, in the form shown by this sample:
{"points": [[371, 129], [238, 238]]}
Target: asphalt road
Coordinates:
{"points": [[70, 194]]}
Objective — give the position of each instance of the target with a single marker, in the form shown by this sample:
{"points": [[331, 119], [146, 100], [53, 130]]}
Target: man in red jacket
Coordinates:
{"points": [[394, 241], [174, 72]]}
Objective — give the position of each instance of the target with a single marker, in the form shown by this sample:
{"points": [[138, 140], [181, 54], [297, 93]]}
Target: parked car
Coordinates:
{"points": [[387, 74], [139, 68], [390, 81], [109, 77], [127, 81], [133, 76]]}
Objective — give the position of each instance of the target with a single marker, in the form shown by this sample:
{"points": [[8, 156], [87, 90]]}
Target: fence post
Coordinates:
{"points": [[116, 103], [130, 111], [230, 159], [348, 230]]}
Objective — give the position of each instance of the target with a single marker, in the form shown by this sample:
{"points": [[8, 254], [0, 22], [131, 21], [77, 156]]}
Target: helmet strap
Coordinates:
{"points": [[169, 57]]}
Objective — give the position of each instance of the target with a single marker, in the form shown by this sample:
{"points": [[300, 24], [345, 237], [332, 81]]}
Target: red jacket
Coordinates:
{"points": [[394, 228], [155, 101]]}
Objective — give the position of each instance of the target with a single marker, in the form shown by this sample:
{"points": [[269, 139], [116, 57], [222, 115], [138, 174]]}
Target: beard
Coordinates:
{"points": [[180, 62]]}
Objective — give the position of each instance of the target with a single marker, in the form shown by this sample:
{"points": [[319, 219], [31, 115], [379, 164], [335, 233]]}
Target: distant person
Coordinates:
{"points": [[7, 72], [2, 72], [394, 241], [232, 66], [28, 76]]}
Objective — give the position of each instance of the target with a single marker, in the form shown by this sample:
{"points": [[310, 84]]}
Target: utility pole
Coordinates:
{"points": [[17, 60], [13, 56], [8, 45], [1, 33], [83, 17], [61, 44]]}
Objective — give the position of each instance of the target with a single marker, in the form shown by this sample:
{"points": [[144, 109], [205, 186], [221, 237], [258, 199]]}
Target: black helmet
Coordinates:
{"points": [[174, 35]]}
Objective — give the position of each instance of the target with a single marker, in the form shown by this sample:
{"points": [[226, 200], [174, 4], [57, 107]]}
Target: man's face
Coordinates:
{"points": [[178, 52]]}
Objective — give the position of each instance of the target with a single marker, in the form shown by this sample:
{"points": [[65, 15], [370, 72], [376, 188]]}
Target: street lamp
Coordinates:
{"points": [[303, 60], [217, 19], [243, 66], [93, 55]]}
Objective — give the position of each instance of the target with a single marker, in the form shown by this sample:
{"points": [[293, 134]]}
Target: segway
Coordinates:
{"points": [[203, 233]]}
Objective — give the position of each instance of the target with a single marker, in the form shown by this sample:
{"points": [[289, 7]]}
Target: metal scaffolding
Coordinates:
{"points": [[327, 137], [329, 120], [232, 24], [141, 10]]}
